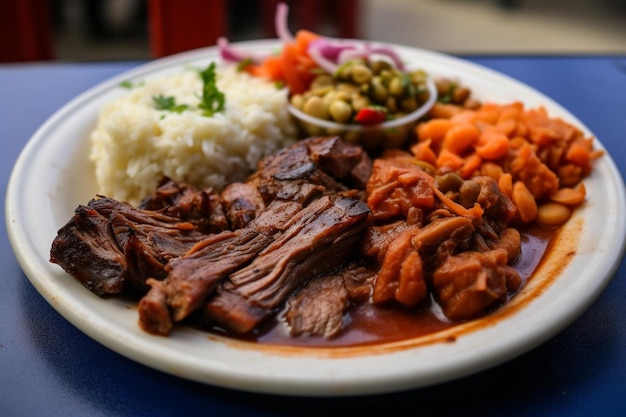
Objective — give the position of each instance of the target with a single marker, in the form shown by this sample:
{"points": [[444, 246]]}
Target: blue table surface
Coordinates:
{"points": [[49, 368]]}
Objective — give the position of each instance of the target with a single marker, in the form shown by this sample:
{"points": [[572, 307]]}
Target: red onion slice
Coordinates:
{"points": [[231, 54], [367, 51], [281, 23]]}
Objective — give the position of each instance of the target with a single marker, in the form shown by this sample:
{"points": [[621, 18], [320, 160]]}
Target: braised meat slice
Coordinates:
{"points": [[111, 247], [310, 168], [202, 208], [341, 160], [321, 237], [86, 249], [241, 202], [318, 308], [193, 277]]}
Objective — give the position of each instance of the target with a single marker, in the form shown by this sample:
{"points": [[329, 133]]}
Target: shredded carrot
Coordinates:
{"points": [[475, 212], [270, 69], [293, 66], [423, 152]]}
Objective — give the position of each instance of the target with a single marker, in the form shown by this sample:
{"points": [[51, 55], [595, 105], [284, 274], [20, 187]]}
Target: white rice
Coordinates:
{"points": [[135, 144]]}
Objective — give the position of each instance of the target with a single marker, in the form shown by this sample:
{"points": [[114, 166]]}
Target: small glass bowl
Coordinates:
{"points": [[391, 134]]}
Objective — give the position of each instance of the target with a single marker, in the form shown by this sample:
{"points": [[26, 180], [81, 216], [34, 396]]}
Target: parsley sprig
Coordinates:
{"points": [[168, 103], [212, 99]]}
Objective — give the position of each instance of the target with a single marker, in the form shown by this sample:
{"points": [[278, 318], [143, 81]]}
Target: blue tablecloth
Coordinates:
{"points": [[49, 368]]}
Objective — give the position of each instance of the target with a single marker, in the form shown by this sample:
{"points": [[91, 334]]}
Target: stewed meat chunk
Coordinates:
{"points": [[469, 283]]}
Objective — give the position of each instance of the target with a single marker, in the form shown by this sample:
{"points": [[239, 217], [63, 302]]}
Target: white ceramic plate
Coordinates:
{"points": [[52, 176]]}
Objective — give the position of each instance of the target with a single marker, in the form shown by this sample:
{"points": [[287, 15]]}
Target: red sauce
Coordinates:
{"points": [[368, 324]]}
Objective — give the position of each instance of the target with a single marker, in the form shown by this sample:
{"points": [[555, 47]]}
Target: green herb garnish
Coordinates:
{"points": [[244, 63], [212, 100], [130, 84], [168, 103]]}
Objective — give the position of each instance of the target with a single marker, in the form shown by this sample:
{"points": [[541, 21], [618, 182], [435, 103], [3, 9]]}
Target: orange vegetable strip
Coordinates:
{"points": [[505, 184], [434, 130], [270, 69], [578, 154], [525, 202], [570, 196], [471, 165], [460, 137], [449, 159], [423, 152], [412, 288], [494, 145]]}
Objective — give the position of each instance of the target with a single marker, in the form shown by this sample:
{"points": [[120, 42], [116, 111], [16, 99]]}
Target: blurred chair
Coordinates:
{"points": [[26, 28], [177, 26]]}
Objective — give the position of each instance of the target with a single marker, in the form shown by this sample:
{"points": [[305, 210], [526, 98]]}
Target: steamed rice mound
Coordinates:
{"points": [[134, 145]]}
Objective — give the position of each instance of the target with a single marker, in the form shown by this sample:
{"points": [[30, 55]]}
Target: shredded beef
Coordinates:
{"points": [[321, 237]]}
